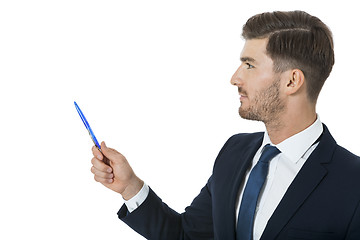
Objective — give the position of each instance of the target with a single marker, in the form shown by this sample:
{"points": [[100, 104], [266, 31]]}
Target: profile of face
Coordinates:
{"points": [[258, 84]]}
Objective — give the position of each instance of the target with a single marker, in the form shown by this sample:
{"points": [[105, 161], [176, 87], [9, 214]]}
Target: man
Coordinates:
{"points": [[306, 188]]}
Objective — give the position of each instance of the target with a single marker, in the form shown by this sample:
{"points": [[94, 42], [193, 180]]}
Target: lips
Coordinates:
{"points": [[242, 94]]}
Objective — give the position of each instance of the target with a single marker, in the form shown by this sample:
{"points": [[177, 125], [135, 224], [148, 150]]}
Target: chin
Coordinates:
{"points": [[249, 115]]}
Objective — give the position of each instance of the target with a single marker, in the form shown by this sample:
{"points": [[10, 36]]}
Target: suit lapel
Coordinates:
{"points": [[309, 177], [243, 162]]}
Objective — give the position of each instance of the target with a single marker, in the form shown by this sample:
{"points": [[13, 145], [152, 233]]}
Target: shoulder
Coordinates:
{"points": [[240, 142], [339, 155], [244, 138], [343, 167], [347, 159]]}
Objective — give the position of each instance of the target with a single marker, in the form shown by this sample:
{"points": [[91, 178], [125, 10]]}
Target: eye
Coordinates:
{"points": [[249, 66]]}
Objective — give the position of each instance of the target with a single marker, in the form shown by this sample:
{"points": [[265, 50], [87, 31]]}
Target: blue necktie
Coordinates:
{"points": [[251, 193]]}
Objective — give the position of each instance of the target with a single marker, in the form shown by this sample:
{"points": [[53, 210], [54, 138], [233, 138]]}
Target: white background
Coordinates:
{"points": [[152, 77]]}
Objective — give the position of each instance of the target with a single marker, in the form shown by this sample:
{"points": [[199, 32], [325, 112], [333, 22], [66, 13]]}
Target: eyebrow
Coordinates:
{"points": [[247, 59]]}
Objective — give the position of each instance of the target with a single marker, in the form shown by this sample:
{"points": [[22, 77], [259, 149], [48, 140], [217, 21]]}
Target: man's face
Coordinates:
{"points": [[258, 85]]}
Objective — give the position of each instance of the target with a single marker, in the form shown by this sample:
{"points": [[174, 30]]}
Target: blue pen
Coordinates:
{"points": [[91, 133]]}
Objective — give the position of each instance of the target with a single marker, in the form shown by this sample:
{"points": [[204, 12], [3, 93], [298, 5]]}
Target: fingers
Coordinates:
{"points": [[103, 173], [119, 176], [102, 177], [107, 173], [100, 165], [97, 153]]}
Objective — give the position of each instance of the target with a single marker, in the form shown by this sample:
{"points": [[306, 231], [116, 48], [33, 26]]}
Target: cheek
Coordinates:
{"points": [[259, 90], [257, 84]]}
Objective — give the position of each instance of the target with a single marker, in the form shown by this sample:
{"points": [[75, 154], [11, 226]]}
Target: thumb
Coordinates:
{"points": [[107, 153], [110, 153], [103, 145]]}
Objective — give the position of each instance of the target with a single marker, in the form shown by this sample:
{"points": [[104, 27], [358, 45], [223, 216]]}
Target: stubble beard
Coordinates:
{"points": [[266, 106]]}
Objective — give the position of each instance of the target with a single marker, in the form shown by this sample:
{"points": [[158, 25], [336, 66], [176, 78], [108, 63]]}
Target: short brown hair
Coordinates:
{"points": [[296, 40]]}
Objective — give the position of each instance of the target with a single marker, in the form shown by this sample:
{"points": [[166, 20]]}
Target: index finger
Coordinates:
{"points": [[96, 152]]}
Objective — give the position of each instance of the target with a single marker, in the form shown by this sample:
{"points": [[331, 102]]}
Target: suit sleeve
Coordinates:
{"points": [[153, 219]]}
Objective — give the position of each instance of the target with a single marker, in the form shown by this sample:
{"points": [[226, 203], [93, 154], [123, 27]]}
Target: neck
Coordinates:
{"points": [[290, 123]]}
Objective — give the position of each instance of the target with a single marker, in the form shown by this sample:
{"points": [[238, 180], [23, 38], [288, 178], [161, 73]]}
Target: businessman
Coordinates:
{"points": [[290, 182]]}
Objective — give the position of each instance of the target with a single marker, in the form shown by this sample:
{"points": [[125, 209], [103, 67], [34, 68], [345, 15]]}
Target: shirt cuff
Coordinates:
{"points": [[134, 202]]}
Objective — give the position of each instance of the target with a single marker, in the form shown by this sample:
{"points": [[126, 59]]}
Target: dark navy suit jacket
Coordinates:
{"points": [[323, 201]]}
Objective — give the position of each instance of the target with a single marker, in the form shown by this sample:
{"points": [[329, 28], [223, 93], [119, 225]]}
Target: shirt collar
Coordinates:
{"points": [[297, 145]]}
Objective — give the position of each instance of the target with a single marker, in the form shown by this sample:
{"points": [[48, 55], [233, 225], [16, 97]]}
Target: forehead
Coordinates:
{"points": [[255, 50]]}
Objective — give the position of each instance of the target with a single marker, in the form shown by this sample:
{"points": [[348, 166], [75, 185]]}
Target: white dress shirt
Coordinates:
{"points": [[282, 171]]}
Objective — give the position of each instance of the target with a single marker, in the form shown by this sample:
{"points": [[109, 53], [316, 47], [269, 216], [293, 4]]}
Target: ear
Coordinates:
{"points": [[295, 81]]}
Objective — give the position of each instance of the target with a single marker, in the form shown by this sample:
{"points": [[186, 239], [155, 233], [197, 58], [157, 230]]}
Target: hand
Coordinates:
{"points": [[119, 176]]}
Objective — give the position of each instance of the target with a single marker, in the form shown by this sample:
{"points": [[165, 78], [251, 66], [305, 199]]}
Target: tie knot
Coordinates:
{"points": [[269, 153]]}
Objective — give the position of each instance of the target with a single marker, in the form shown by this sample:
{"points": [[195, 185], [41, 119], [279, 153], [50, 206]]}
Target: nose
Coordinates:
{"points": [[236, 79]]}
